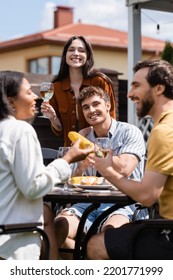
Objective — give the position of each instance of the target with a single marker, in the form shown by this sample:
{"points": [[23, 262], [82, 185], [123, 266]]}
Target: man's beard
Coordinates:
{"points": [[145, 108]]}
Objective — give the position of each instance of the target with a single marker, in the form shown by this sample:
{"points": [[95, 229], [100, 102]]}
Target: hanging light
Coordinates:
{"points": [[136, 9], [158, 28]]}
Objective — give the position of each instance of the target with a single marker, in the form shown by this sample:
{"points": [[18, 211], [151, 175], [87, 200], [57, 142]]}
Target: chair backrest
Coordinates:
{"points": [[162, 225], [28, 227], [49, 154]]}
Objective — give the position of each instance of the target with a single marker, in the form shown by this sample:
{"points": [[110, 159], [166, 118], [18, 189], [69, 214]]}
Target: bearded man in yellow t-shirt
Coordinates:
{"points": [[152, 92]]}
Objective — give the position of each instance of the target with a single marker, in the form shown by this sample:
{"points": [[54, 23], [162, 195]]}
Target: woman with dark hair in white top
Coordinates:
{"points": [[23, 176]]}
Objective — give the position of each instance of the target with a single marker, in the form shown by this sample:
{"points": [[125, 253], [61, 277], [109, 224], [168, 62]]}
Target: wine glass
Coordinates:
{"points": [[46, 91], [102, 146], [62, 151]]}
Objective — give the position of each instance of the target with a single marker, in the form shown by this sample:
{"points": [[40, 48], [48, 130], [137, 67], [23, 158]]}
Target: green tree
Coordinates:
{"points": [[167, 53]]}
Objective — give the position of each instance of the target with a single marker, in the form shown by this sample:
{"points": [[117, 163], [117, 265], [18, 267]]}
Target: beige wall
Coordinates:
{"points": [[113, 60], [17, 59], [109, 59], [12, 61], [116, 60]]}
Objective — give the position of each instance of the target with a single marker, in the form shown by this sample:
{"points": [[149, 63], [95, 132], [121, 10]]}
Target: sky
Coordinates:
{"points": [[24, 17]]}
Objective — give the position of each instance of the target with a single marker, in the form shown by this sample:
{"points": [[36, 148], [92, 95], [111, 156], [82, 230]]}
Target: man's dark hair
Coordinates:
{"points": [[91, 91], [160, 73]]}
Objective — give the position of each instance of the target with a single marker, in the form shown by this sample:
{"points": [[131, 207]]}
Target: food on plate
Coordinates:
{"points": [[92, 181], [75, 180], [85, 143], [86, 180]]}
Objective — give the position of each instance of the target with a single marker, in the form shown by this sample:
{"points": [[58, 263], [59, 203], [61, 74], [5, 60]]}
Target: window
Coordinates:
{"points": [[45, 65], [55, 64]]}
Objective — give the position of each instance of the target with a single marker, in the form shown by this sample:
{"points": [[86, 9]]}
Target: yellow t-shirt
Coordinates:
{"points": [[160, 159]]}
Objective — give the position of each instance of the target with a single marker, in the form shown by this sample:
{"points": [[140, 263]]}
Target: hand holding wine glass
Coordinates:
{"points": [[46, 92], [102, 146]]}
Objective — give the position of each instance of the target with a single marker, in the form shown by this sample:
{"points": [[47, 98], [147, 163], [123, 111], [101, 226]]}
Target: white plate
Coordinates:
{"points": [[94, 187]]}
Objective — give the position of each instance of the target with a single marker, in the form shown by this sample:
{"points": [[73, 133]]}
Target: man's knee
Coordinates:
{"points": [[115, 221], [66, 222], [66, 215]]}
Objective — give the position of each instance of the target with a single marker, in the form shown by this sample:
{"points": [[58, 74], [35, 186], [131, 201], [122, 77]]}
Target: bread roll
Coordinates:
{"points": [[86, 180], [92, 181]]}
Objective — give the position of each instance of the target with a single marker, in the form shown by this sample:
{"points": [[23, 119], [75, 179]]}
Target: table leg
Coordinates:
{"points": [[79, 234], [93, 229]]}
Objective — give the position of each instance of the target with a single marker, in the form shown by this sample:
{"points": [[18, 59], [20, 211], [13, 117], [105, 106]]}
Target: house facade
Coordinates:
{"points": [[41, 52]]}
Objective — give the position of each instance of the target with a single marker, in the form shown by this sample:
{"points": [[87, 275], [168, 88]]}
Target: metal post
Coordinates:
{"points": [[134, 52]]}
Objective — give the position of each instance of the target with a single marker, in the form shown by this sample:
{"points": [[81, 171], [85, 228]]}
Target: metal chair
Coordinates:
{"points": [[49, 154], [94, 227], [28, 227], [166, 224]]}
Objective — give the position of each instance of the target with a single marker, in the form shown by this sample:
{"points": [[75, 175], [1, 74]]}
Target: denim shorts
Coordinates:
{"points": [[126, 211]]}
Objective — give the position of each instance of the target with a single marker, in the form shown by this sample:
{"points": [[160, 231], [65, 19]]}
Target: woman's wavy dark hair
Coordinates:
{"points": [[160, 72], [88, 69], [10, 82]]}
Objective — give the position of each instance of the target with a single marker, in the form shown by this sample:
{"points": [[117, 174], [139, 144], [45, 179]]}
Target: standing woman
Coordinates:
{"points": [[76, 72], [24, 178]]}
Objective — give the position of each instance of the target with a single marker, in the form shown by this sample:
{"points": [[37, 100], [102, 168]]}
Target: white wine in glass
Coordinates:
{"points": [[46, 91], [102, 146]]}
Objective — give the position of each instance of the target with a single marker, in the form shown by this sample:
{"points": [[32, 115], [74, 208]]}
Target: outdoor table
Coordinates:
{"points": [[59, 195]]}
